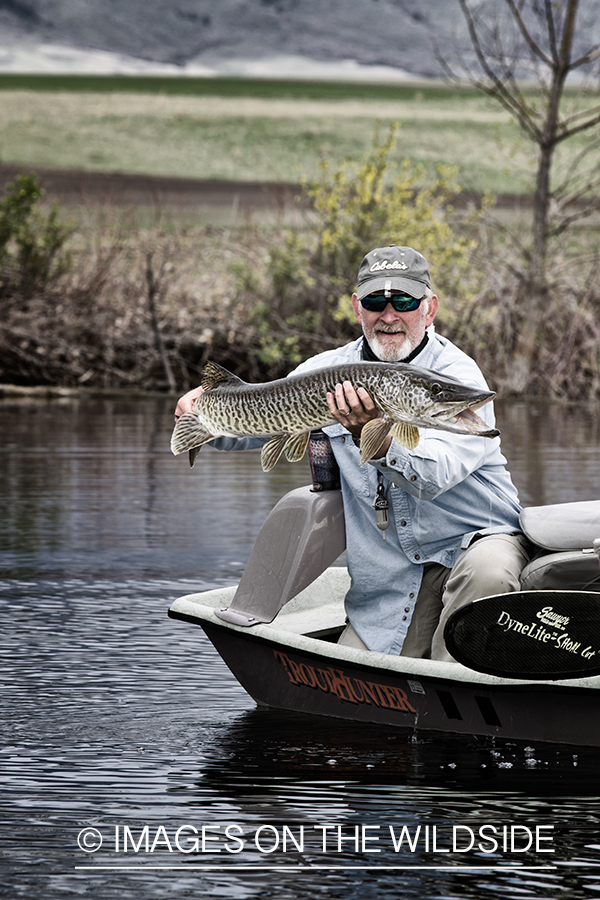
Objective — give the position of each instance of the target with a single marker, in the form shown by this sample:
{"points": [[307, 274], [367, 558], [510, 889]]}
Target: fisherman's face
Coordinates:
{"points": [[393, 335]]}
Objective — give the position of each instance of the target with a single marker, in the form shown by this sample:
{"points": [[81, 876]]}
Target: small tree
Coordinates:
{"points": [[302, 304], [523, 53], [32, 251]]}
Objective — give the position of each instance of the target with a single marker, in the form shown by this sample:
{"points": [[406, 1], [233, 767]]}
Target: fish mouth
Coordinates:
{"points": [[463, 415]]}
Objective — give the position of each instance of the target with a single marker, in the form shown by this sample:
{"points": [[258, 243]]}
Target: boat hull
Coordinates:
{"points": [[294, 671]]}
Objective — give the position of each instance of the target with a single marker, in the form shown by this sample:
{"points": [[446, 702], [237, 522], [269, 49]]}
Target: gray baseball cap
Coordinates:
{"points": [[395, 269]]}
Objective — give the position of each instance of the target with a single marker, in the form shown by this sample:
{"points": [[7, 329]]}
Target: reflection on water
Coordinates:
{"points": [[552, 450], [114, 716]]}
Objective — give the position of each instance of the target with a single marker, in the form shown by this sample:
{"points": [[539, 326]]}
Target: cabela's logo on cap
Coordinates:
{"points": [[380, 266], [393, 268]]}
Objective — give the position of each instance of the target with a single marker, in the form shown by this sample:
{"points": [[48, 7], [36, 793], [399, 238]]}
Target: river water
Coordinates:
{"points": [[123, 729]]}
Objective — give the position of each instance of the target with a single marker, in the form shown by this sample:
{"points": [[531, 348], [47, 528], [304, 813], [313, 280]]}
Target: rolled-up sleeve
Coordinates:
{"points": [[438, 463]]}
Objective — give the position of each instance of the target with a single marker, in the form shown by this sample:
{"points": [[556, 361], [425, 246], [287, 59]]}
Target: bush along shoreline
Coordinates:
{"points": [[112, 305]]}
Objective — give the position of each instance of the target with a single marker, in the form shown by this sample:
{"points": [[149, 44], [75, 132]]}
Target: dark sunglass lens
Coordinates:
{"points": [[405, 303], [374, 304]]}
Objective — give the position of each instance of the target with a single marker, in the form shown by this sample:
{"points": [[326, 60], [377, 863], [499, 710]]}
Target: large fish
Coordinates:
{"points": [[287, 410]]}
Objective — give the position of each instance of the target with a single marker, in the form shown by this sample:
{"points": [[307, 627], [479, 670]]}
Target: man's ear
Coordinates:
{"points": [[432, 310], [356, 308]]}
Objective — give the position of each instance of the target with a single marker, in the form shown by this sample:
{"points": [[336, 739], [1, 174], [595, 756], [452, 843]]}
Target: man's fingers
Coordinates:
{"points": [[341, 401], [351, 397], [186, 402], [366, 399], [351, 407], [331, 403]]}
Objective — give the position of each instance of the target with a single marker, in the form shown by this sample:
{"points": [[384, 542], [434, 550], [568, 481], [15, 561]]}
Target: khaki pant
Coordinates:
{"points": [[491, 565]]}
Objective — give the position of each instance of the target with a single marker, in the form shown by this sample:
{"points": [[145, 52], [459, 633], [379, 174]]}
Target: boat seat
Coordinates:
{"points": [[566, 534], [302, 536], [572, 570], [563, 526]]}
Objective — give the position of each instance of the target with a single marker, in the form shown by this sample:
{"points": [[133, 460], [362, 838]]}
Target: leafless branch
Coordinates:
{"points": [[533, 45], [155, 289]]}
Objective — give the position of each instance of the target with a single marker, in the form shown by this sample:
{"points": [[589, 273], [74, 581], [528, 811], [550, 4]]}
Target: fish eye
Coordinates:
{"points": [[436, 388]]}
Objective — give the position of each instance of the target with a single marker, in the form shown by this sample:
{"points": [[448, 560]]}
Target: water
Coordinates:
{"points": [[118, 719]]}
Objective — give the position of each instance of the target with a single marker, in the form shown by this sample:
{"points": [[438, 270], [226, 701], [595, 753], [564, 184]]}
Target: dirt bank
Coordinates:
{"points": [[74, 186]]}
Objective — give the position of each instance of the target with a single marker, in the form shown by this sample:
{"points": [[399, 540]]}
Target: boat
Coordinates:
{"points": [[529, 663]]}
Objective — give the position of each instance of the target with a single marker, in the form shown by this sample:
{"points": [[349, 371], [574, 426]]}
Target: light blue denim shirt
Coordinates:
{"points": [[442, 494]]}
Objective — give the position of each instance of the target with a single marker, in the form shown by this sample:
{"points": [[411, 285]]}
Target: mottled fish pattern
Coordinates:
{"points": [[287, 410]]}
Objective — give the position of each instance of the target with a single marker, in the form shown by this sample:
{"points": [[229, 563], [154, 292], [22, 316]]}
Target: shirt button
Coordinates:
{"points": [[404, 618], [413, 478], [403, 522], [392, 462], [411, 596], [343, 440], [417, 556], [407, 609]]}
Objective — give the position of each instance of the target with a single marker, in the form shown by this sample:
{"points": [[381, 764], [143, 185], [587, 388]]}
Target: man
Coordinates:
{"points": [[454, 533]]}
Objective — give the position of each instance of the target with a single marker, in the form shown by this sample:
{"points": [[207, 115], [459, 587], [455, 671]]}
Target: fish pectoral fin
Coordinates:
{"points": [[405, 434], [296, 446], [272, 450], [372, 436], [214, 374], [188, 434]]}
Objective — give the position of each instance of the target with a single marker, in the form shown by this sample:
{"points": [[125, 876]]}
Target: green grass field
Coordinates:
{"points": [[270, 88], [251, 129]]}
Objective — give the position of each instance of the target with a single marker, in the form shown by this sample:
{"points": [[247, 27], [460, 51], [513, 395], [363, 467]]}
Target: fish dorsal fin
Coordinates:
{"points": [[372, 436], [296, 447], [214, 374], [272, 450], [407, 435]]}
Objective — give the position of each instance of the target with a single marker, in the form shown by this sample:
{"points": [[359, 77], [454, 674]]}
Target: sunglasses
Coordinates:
{"points": [[400, 302]]}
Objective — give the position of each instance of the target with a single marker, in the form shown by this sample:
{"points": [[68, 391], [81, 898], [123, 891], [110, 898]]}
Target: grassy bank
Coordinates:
{"points": [[255, 130]]}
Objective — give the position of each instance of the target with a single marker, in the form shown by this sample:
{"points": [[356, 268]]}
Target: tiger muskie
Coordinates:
{"points": [[287, 410]]}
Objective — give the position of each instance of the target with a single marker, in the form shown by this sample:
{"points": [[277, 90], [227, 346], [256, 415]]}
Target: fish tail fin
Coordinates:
{"points": [[214, 374], [372, 436], [188, 434], [407, 435], [296, 447], [272, 450]]}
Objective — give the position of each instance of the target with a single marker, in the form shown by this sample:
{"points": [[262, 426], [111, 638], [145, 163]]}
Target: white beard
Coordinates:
{"points": [[388, 353], [391, 352]]}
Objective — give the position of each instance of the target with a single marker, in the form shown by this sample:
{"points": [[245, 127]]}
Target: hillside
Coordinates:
{"points": [[229, 37]]}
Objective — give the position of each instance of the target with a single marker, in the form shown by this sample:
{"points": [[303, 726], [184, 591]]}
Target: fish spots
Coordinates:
{"points": [[291, 406]]}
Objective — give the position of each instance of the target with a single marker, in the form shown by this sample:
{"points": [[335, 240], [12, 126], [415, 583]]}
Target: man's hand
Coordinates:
{"points": [[187, 401], [353, 409]]}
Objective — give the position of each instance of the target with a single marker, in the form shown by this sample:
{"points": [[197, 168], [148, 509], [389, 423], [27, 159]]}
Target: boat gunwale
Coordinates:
{"points": [[403, 666]]}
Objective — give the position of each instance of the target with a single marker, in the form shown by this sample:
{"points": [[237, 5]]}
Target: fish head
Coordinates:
{"points": [[433, 400]]}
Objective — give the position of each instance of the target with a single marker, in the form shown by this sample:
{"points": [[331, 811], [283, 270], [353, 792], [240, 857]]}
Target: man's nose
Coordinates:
{"points": [[390, 313]]}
